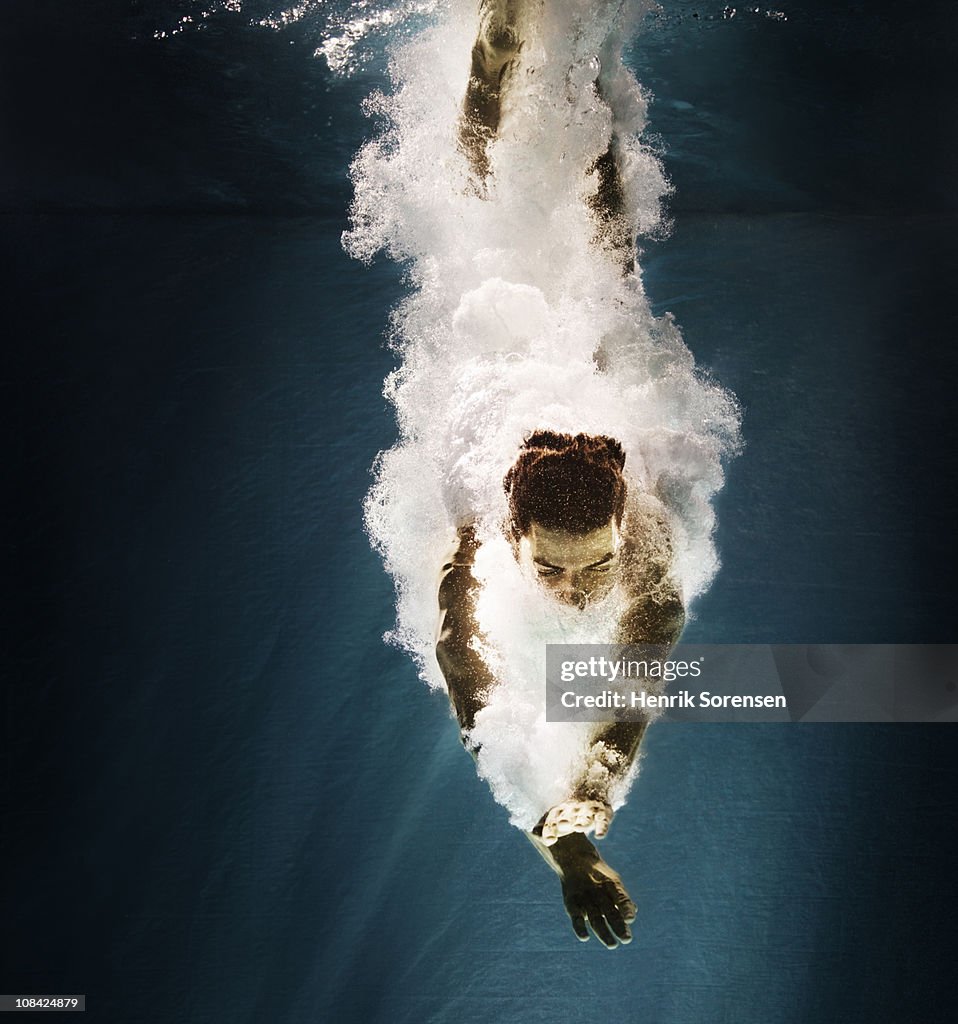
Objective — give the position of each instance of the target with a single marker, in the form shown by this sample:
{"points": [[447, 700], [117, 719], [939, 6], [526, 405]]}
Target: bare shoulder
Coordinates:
{"points": [[656, 614], [647, 548]]}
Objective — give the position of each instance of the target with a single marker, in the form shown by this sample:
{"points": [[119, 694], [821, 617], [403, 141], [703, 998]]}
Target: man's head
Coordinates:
{"points": [[566, 499]]}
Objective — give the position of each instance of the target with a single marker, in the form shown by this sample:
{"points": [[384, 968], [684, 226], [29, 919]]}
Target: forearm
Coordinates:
{"points": [[608, 760], [654, 624], [467, 676]]}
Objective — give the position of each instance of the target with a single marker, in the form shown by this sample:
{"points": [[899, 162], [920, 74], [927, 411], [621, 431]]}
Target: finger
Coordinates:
{"points": [[626, 907], [566, 826], [556, 824], [602, 822], [601, 929], [576, 911], [578, 926], [615, 921], [549, 833]]}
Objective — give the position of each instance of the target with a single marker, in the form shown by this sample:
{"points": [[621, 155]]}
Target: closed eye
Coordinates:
{"points": [[604, 564]]}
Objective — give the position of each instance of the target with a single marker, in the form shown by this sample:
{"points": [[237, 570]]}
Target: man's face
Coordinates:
{"points": [[574, 567]]}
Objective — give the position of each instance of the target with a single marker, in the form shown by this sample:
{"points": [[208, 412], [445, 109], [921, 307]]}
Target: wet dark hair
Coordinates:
{"points": [[566, 482]]}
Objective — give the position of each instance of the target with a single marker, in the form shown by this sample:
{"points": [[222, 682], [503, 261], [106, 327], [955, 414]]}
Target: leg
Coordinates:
{"points": [[493, 57], [608, 208], [608, 203]]}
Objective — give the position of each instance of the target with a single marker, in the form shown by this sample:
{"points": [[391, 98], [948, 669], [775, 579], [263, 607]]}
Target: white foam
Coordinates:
{"points": [[512, 312]]}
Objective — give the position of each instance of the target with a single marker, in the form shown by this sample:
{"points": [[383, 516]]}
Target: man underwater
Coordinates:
{"points": [[573, 525]]}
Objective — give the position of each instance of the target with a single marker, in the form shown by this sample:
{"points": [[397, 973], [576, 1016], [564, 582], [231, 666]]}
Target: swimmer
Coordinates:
{"points": [[573, 524], [519, 321]]}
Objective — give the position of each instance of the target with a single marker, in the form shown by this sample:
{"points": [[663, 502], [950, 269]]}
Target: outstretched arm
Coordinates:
{"points": [[466, 674], [592, 891], [654, 622]]}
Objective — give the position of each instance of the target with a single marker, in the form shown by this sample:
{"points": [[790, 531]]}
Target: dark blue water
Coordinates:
{"points": [[223, 798]]}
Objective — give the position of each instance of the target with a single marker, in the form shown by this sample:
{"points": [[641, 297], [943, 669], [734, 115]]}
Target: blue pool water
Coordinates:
{"points": [[223, 797]]}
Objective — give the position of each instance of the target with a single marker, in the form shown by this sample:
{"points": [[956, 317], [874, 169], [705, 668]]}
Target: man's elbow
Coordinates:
{"points": [[445, 655], [453, 671]]}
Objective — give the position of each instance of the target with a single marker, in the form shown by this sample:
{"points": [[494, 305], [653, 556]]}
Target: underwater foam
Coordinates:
{"points": [[517, 321]]}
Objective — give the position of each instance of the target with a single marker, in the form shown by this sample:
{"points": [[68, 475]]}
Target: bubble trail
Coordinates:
{"points": [[517, 320]]}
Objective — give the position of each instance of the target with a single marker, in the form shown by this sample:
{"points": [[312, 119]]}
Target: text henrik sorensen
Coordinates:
{"points": [[682, 699]]}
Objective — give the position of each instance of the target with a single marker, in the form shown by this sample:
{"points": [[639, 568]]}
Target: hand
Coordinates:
{"points": [[593, 892], [576, 816]]}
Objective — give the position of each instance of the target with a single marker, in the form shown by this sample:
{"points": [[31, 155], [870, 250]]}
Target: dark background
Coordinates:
{"points": [[223, 799]]}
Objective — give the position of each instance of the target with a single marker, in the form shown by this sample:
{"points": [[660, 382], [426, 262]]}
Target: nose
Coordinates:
{"points": [[572, 593]]}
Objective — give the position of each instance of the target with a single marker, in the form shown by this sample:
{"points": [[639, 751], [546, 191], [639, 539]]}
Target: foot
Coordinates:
{"points": [[499, 39]]}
